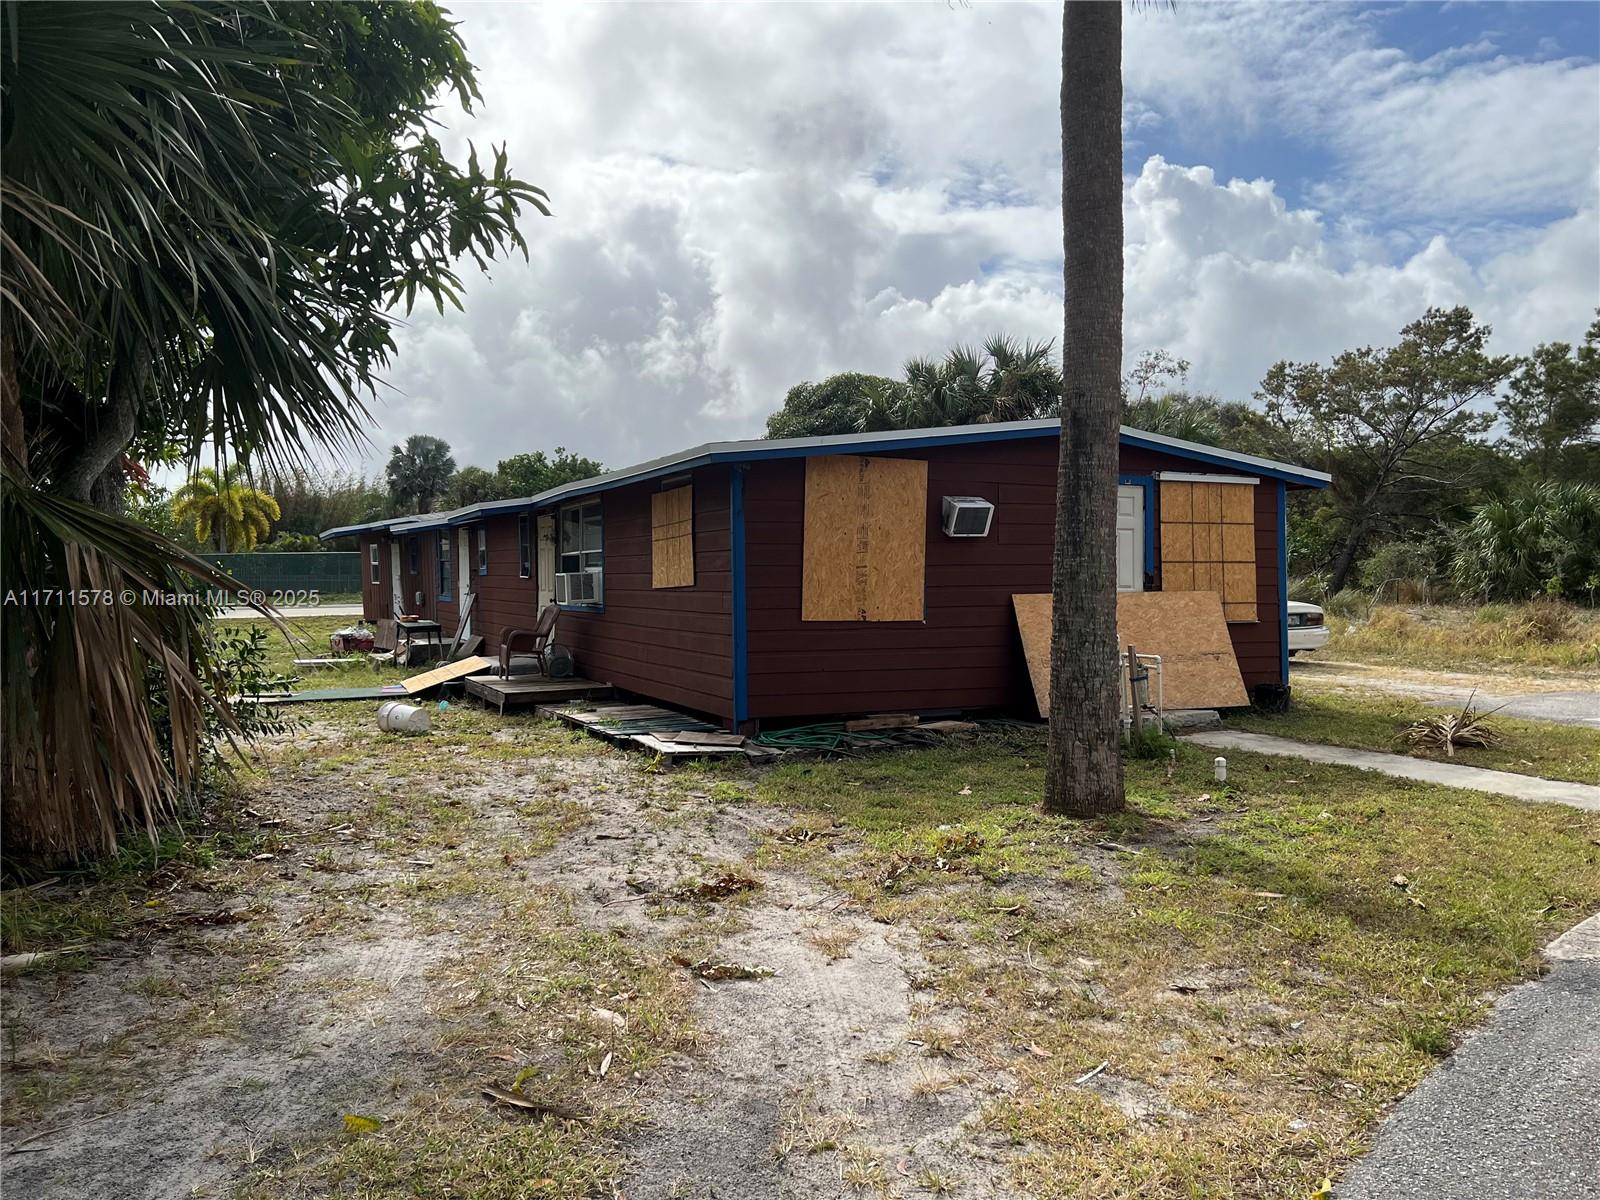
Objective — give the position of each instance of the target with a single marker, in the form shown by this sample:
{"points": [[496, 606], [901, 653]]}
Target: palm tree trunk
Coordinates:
{"points": [[1084, 772]]}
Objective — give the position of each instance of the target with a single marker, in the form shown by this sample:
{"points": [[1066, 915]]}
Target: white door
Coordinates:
{"points": [[464, 574], [547, 559], [394, 577], [1130, 539]]}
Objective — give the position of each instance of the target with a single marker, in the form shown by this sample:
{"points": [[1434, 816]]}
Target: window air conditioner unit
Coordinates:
{"points": [[967, 516], [579, 587]]}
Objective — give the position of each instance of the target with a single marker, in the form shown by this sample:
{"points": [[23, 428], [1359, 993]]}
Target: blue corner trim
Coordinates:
{"points": [[741, 679], [1283, 580], [1148, 483]]}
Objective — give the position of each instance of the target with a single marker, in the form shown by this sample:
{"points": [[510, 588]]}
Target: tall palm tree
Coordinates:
{"points": [[420, 471], [1021, 381], [225, 509], [1083, 773]]}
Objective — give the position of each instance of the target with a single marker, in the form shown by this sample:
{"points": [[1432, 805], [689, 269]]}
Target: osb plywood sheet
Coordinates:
{"points": [[1177, 541], [1177, 577], [1186, 629], [672, 538], [865, 549], [1175, 501], [1238, 503], [1239, 544], [1239, 583], [455, 670]]}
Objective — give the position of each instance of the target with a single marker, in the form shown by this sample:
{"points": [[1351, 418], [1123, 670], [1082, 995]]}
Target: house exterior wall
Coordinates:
{"points": [[966, 653], [671, 644], [505, 600], [374, 596]]}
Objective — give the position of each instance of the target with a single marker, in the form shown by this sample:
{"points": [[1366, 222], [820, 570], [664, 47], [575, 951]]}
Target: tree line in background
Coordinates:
{"points": [[1456, 471], [423, 476]]}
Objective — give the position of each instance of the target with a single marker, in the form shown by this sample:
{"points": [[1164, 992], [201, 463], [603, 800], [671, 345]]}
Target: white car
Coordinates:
{"points": [[1307, 631]]}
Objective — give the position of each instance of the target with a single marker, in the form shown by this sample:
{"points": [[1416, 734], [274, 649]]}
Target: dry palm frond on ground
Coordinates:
{"points": [[1469, 727]]}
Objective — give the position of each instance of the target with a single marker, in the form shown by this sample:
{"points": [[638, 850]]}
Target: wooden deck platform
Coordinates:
{"points": [[653, 728], [525, 692]]}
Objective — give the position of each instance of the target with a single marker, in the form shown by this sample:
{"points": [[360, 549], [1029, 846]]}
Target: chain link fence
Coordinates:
{"points": [[331, 572]]}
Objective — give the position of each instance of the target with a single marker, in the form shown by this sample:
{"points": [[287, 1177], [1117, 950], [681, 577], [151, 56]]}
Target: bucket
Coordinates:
{"points": [[395, 717]]}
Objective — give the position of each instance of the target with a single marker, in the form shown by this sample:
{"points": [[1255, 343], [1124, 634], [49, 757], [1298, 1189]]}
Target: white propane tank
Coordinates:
{"points": [[395, 717]]}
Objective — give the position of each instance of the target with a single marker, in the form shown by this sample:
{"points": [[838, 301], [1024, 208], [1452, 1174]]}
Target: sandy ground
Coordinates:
{"points": [[196, 1056], [1568, 698]]}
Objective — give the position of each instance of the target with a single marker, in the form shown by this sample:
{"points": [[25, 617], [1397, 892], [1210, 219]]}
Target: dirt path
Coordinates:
{"points": [[1565, 699], [400, 944]]}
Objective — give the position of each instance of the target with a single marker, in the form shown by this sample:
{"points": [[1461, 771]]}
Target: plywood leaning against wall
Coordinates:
{"points": [[1208, 543], [866, 549], [1187, 629], [672, 538]]}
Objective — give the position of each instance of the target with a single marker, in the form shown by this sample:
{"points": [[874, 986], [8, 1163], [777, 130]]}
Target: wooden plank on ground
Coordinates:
{"points": [[456, 670], [706, 737], [881, 721]]}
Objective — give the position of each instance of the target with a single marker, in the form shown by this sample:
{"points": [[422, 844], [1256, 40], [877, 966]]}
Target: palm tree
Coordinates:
{"points": [[1083, 773], [1021, 382], [209, 214], [419, 473], [232, 513]]}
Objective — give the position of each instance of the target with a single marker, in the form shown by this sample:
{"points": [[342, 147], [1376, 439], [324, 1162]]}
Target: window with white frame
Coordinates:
{"points": [[525, 547], [377, 572], [444, 566], [483, 550], [581, 539]]}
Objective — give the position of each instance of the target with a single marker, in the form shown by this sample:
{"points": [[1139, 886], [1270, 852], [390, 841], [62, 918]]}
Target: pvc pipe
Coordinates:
{"points": [[1221, 766]]}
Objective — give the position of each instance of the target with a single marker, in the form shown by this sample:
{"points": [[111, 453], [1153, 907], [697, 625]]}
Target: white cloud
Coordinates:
{"points": [[749, 197]]}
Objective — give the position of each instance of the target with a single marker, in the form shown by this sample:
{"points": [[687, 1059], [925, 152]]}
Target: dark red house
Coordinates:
{"points": [[772, 580]]}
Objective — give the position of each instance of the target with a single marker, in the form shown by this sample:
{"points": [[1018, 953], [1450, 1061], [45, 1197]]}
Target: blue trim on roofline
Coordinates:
{"points": [[1283, 580], [1148, 483], [756, 450], [740, 631]]}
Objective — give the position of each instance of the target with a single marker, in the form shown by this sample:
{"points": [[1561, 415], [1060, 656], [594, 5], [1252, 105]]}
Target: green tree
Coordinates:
{"points": [[1390, 423], [842, 403], [471, 485], [419, 472], [1083, 772], [530, 474], [1545, 540], [225, 509], [1552, 406], [212, 217]]}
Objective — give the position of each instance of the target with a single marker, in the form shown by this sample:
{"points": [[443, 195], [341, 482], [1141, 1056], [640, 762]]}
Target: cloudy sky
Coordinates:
{"points": [[747, 197]]}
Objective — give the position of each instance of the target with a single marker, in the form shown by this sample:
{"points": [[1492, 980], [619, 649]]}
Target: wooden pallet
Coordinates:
{"points": [[653, 728], [523, 692]]}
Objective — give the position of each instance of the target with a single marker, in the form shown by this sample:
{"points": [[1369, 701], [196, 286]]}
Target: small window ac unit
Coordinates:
{"points": [[579, 587], [967, 516]]}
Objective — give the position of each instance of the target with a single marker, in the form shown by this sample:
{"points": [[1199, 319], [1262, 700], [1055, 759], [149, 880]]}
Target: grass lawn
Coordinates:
{"points": [[1374, 721], [1243, 960], [1545, 634], [312, 634]]}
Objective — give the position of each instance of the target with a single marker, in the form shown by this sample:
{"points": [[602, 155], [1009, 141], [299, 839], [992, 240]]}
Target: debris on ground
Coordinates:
{"points": [[543, 1108], [715, 972], [716, 887], [1469, 727]]}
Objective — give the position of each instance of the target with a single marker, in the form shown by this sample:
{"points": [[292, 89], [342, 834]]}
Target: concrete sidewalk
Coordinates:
{"points": [[1475, 779], [1514, 1113]]}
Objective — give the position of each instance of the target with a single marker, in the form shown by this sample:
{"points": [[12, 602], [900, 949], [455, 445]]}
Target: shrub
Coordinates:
{"points": [[1405, 568], [1543, 542], [1349, 602], [1309, 589]]}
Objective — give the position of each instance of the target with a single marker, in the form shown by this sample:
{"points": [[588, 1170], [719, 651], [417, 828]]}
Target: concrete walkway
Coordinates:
{"points": [[1475, 779], [1514, 1113]]}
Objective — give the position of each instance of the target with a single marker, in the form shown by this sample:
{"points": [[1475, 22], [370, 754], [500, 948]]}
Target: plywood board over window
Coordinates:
{"points": [[866, 539], [1208, 542], [672, 538]]}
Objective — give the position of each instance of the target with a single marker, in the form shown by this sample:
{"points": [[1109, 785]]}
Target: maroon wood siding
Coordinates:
{"points": [[505, 599], [671, 644], [966, 653]]}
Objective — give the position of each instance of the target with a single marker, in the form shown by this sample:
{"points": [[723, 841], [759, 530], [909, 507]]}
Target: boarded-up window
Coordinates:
{"points": [[672, 538], [1208, 542], [866, 539]]}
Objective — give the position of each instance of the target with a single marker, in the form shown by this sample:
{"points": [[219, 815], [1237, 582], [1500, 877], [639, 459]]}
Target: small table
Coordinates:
{"points": [[421, 630]]}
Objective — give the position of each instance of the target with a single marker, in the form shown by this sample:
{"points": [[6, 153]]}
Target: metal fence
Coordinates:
{"points": [[326, 571]]}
